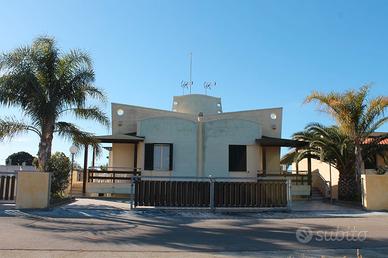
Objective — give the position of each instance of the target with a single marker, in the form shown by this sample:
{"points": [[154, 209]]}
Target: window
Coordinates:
{"points": [[237, 158], [158, 156]]}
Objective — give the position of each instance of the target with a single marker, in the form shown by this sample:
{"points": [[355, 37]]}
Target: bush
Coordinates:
{"points": [[59, 166]]}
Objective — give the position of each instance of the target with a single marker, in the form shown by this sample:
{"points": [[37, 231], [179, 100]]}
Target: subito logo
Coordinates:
{"points": [[304, 235]]}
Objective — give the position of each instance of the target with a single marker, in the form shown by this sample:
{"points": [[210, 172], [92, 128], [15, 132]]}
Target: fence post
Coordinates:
{"points": [[362, 193], [212, 208], [132, 191], [289, 197]]}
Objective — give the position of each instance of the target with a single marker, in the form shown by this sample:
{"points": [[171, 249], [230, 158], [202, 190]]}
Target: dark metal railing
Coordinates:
{"points": [[300, 177], [211, 192], [112, 174]]}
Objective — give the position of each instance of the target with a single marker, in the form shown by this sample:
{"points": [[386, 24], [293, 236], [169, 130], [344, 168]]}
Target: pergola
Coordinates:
{"points": [[117, 138], [266, 141]]}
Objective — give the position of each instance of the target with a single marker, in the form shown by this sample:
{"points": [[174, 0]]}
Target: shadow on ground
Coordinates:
{"points": [[227, 233]]}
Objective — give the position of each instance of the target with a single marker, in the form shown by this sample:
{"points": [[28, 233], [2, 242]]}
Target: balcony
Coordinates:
{"points": [[112, 174]]}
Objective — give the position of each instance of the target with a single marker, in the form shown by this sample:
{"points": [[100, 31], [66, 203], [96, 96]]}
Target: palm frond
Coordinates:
{"points": [[77, 136], [10, 127], [91, 113]]}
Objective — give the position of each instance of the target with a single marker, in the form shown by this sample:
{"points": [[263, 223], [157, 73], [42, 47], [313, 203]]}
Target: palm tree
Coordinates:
{"points": [[47, 85], [330, 145], [356, 116]]}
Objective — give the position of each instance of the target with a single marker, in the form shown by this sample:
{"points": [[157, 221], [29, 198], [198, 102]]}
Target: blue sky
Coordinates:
{"points": [[261, 53]]}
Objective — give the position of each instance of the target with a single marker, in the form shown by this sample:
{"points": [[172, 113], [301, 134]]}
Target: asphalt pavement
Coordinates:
{"points": [[90, 228]]}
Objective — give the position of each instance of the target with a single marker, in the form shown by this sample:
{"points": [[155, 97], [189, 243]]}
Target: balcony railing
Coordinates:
{"points": [[300, 177], [125, 175], [112, 174]]}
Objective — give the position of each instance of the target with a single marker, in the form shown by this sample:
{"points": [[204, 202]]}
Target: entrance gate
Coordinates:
{"points": [[211, 193]]}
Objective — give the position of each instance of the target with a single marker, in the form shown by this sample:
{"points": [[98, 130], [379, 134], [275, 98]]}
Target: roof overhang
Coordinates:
{"points": [[380, 138], [119, 138], [279, 142]]}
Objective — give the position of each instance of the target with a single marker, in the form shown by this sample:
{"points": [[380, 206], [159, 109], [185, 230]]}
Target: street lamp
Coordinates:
{"points": [[73, 150]]}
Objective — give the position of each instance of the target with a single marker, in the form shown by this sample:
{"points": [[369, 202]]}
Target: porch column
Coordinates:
{"points": [[85, 169], [309, 177], [135, 157], [264, 160], [94, 157]]}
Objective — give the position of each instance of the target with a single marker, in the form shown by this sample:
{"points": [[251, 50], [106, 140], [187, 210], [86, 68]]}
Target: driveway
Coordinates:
{"points": [[90, 228]]}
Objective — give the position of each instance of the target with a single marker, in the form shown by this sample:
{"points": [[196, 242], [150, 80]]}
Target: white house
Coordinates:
{"points": [[195, 138]]}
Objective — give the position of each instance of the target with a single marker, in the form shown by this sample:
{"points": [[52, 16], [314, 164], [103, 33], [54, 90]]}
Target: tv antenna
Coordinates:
{"points": [[185, 85], [188, 84], [208, 85]]}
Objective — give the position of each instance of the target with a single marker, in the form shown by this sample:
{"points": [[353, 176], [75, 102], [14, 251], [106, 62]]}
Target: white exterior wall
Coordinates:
{"points": [[182, 130], [272, 155], [122, 155], [269, 127], [219, 134], [181, 133], [195, 103]]}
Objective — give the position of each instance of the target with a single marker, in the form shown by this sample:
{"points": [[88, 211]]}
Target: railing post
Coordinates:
{"points": [[133, 180], [289, 197], [212, 207], [85, 170]]}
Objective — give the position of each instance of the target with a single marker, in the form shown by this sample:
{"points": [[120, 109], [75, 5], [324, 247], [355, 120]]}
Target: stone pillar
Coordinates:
{"points": [[33, 190]]}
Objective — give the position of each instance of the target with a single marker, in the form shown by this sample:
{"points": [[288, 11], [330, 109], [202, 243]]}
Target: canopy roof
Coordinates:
{"points": [[279, 142], [119, 138]]}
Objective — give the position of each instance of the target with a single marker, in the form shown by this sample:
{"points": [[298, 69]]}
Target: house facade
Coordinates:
{"points": [[195, 139]]}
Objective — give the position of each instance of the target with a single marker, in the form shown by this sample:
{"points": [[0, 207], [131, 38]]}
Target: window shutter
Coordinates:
{"points": [[171, 157], [237, 157], [149, 156]]}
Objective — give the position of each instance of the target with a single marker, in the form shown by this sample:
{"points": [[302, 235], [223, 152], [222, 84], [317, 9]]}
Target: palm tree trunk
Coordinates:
{"points": [[45, 145], [347, 185], [358, 167]]}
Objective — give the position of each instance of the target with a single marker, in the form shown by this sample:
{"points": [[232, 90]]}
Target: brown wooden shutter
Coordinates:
{"points": [[149, 156], [171, 157]]}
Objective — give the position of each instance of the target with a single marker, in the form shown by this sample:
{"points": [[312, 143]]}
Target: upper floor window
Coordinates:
{"points": [[237, 158]]}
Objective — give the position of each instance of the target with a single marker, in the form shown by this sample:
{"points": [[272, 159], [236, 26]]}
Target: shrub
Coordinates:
{"points": [[59, 166], [381, 170]]}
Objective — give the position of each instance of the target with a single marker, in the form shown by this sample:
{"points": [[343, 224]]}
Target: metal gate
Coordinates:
{"points": [[212, 193], [8, 187]]}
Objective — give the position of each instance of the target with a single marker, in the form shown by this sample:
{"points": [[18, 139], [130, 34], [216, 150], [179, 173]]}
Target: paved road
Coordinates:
{"points": [[103, 231]]}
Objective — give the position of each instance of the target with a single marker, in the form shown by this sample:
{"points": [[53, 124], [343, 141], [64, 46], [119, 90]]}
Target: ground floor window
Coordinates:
{"points": [[237, 158], [158, 156]]}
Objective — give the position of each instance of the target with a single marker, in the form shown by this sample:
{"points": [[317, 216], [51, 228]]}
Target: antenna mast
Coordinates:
{"points": [[191, 71], [188, 84]]}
